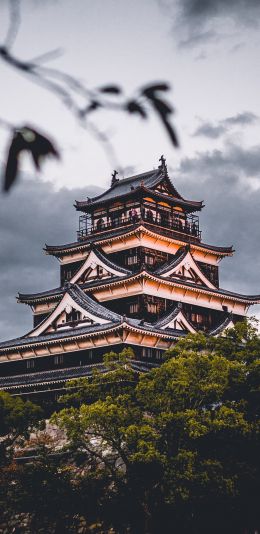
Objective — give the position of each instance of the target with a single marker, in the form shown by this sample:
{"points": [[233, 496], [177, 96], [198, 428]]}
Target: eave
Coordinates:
{"points": [[145, 228], [144, 275], [32, 343], [98, 286], [189, 205]]}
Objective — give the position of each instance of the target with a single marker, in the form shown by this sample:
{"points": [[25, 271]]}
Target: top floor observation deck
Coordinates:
{"points": [[150, 198], [183, 227]]}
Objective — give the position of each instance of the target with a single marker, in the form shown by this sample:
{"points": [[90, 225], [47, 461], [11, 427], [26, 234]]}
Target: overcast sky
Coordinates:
{"points": [[208, 51]]}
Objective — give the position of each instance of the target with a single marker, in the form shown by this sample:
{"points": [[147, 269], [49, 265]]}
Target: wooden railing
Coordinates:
{"points": [[191, 229]]}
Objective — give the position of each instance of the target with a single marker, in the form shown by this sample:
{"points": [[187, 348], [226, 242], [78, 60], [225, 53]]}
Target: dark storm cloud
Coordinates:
{"points": [[198, 19], [30, 216], [231, 216], [243, 11], [215, 130]]}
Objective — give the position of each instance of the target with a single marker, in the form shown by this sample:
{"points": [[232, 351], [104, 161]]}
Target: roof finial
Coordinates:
{"points": [[163, 165], [114, 178]]}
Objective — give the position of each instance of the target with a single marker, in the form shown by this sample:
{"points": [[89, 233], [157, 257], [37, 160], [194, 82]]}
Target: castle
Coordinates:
{"points": [[139, 275]]}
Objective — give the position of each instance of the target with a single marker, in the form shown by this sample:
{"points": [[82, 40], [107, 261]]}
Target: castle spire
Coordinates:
{"points": [[163, 165], [114, 179]]}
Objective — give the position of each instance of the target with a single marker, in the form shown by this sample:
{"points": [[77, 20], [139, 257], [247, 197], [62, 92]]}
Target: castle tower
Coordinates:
{"points": [[138, 275]]}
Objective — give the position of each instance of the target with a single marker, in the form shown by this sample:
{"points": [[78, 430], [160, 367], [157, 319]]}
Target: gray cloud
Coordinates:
{"points": [[30, 216], [202, 20], [210, 130], [243, 11], [198, 38], [216, 130], [232, 214], [241, 119]]}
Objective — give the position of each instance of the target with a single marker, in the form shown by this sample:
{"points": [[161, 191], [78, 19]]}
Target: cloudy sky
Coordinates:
{"points": [[207, 50]]}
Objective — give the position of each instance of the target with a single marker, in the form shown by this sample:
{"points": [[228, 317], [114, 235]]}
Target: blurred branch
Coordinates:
{"points": [[69, 90], [14, 24]]}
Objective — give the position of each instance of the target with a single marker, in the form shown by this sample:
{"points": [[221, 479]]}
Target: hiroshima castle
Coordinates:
{"points": [[139, 275]]}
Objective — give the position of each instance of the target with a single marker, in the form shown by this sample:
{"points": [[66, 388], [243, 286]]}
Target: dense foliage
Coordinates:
{"points": [[173, 450]]}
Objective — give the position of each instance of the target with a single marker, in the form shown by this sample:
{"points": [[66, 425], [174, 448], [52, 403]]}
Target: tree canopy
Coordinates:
{"points": [[181, 442], [172, 450]]}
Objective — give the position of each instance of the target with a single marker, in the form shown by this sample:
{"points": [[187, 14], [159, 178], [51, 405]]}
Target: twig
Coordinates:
{"points": [[14, 24]]}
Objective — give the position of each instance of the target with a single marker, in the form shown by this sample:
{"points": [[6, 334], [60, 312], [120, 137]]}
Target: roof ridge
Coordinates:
{"points": [[90, 304], [136, 176], [217, 329], [118, 183], [177, 258], [104, 257], [166, 318]]}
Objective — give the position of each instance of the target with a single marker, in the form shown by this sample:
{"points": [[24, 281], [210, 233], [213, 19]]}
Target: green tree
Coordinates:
{"points": [[181, 447], [17, 417]]}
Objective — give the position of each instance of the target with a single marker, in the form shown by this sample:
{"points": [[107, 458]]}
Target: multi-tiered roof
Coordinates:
{"points": [[138, 275]]}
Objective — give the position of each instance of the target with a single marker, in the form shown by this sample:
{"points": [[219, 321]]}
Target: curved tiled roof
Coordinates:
{"points": [[78, 333], [90, 305], [196, 287], [98, 284], [32, 297], [58, 291], [221, 327], [72, 333], [146, 181], [57, 250], [63, 375]]}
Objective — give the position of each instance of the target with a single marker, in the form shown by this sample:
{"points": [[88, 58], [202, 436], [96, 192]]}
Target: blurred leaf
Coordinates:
{"points": [[91, 107], [162, 108], [26, 139], [112, 89], [134, 107], [170, 131], [151, 89]]}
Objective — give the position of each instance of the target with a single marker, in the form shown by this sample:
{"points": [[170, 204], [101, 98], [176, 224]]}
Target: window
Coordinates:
{"points": [[152, 308], [148, 352], [68, 274], [30, 364], [134, 308], [58, 359], [100, 271], [132, 260], [74, 315], [149, 259]]}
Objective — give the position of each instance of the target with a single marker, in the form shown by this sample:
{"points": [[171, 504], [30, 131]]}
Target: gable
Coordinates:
{"points": [[95, 268], [188, 270], [163, 188], [179, 322], [68, 313]]}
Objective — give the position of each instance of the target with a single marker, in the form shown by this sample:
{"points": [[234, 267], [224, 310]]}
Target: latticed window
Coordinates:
{"points": [[152, 307], [149, 259], [74, 315], [30, 364], [132, 260], [134, 308], [58, 359]]}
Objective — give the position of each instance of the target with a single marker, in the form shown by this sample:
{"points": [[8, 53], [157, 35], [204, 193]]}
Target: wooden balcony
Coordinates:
{"points": [[189, 230]]}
